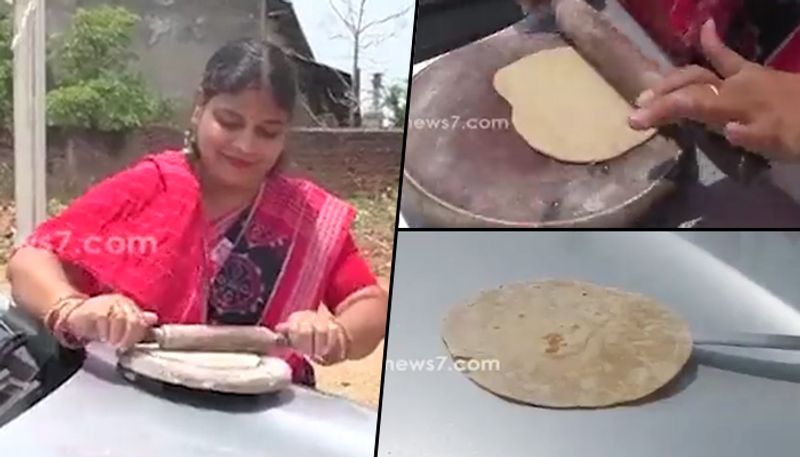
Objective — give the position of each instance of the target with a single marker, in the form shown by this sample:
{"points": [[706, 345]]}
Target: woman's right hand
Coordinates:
{"points": [[753, 106], [110, 318]]}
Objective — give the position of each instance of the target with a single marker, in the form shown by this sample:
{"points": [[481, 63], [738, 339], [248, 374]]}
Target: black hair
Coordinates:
{"points": [[251, 63]]}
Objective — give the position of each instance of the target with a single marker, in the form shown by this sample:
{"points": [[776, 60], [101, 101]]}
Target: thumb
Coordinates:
{"points": [[150, 319], [724, 59]]}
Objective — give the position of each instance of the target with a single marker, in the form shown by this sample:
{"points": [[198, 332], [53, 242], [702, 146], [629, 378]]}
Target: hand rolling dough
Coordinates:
{"points": [[564, 109]]}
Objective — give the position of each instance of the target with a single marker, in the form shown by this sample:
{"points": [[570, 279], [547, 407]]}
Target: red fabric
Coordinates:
{"points": [[152, 200], [351, 273], [787, 56], [158, 200], [675, 25]]}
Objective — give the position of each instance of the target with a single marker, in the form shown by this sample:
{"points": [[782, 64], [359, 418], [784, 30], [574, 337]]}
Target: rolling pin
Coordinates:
{"points": [[612, 53], [623, 64], [214, 338]]}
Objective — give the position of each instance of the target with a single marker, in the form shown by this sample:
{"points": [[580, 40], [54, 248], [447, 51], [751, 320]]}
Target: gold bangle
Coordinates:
{"points": [[63, 332], [57, 317], [56, 309], [345, 350]]}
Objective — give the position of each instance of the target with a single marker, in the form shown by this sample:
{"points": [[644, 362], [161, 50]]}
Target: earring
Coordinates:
{"points": [[190, 143], [187, 139]]}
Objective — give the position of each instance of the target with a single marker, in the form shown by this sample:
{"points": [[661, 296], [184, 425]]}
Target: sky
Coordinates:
{"points": [[391, 57]]}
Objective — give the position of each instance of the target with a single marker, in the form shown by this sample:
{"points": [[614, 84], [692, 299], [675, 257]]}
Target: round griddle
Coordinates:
{"points": [[458, 176], [146, 364]]}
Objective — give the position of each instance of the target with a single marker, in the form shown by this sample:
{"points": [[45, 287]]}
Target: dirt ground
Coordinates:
{"points": [[358, 380]]}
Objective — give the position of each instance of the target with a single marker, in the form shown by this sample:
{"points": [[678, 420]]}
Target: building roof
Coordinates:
{"points": [[325, 87], [282, 14]]}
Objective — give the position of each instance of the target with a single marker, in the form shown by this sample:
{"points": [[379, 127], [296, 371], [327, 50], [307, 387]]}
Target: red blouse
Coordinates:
{"points": [[351, 273]]}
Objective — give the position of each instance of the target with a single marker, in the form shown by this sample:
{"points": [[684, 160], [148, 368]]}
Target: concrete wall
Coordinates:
{"points": [[175, 38]]}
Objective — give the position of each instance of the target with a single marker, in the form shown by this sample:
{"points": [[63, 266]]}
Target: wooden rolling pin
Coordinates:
{"points": [[620, 61], [214, 338], [623, 64]]}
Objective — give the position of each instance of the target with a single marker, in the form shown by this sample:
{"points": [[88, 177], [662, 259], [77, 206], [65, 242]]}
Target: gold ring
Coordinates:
{"points": [[714, 88]]}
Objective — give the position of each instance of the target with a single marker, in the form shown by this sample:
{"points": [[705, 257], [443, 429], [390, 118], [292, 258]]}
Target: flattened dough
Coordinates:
{"points": [[564, 109], [222, 372], [213, 360], [567, 344]]}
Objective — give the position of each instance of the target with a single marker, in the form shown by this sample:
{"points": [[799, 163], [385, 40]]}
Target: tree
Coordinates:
{"points": [[94, 86], [95, 89], [353, 16]]}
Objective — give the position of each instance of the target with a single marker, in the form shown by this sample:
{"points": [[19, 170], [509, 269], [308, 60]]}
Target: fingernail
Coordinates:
{"points": [[710, 23], [730, 131], [645, 97], [636, 119]]}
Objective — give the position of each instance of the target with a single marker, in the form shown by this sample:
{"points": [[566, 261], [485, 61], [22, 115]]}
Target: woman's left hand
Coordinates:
{"points": [[318, 335]]}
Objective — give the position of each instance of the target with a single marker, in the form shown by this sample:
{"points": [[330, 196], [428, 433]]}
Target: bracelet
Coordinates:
{"points": [[62, 332], [345, 349], [56, 319], [53, 315], [348, 341]]}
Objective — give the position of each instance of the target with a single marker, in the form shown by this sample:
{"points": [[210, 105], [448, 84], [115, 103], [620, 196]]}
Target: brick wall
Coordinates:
{"points": [[346, 161], [349, 161]]}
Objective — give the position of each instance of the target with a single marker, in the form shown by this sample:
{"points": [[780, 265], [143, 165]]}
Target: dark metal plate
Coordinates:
{"points": [[458, 175]]}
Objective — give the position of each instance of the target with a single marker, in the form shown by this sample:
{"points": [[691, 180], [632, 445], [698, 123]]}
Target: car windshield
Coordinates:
{"points": [[16, 373], [29, 366]]}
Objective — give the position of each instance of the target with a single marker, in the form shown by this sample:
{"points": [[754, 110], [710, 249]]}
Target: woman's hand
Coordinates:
{"points": [[754, 107], [111, 318], [317, 335]]}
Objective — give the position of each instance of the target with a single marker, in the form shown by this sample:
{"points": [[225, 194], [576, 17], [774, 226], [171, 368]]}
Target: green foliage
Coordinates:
{"points": [[395, 102], [94, 87], [108, 103], [97, 43]]}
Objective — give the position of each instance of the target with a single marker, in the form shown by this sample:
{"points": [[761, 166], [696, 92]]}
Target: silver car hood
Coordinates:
{"points": [[728, 402], [97, 413]]}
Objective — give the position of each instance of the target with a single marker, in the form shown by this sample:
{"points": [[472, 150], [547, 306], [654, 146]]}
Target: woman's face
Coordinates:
{"points": [[240, 136]]}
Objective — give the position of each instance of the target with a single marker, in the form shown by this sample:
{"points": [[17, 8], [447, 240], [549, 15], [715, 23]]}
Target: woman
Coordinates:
{"points": [[753, 106], [216, 233]]}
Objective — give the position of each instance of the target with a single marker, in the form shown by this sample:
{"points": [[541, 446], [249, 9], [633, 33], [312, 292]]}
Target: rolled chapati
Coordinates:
{"points": [[564, 109], [225, 372], [567, 344]]}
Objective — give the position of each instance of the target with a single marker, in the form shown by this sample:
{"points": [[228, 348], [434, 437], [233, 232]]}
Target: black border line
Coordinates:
{"points": [[396, 230]]}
